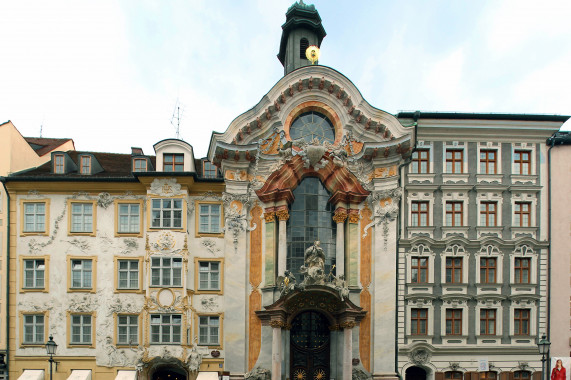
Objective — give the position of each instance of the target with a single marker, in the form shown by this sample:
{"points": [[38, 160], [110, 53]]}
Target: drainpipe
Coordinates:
{"points": [[552, 143], [415, 117], [7, 276]]}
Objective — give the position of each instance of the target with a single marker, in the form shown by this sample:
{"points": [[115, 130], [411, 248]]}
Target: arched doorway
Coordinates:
{"points": [[415, 373], [168, 372], [309, 346]]}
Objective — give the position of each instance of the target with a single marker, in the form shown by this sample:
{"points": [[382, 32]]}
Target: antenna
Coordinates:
{"points": [[176, 117], [41, 127]]}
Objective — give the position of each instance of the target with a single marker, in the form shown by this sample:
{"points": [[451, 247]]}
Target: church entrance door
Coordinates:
{"points": [[309, 347]]}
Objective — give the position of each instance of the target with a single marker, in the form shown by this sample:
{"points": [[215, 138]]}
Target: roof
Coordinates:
{"points": [[480, 116], [42, 145]]}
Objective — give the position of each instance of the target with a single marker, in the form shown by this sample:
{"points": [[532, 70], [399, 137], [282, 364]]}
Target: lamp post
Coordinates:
{"points": [[51, 348], [543, 346]]}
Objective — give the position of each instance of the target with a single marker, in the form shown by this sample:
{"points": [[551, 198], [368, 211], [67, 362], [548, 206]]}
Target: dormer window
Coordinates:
{"points": [[59, 166], [209, 170], [173, 162], [140, 165], [85, 165]]}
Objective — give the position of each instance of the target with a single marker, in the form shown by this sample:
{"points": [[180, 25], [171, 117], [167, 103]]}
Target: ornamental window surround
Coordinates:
{"points": [[166, 271], [166, 213], [420, 264], [34, 217], [128, 274], [166, 328], [489, 260], [489, 317]]}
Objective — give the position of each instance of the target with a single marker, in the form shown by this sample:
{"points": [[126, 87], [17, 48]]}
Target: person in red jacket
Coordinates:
{"points": [[559, 372]]}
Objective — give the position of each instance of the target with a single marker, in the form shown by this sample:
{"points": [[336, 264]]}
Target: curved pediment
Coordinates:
{"points": [[364, 129]]}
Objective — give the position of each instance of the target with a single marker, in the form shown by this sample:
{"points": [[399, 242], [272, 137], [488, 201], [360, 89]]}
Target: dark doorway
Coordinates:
{"points": [[309, 347], [415, 373], [169, 373]]}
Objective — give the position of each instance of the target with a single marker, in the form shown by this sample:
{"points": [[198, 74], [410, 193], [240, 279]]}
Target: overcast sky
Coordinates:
{"points": [[108, 73]]}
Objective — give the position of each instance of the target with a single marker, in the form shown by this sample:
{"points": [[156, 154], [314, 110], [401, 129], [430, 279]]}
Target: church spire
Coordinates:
{"points": [[302, 29]]}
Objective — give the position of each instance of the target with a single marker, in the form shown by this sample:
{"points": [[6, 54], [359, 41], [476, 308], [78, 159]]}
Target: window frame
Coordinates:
{"points": [[198, 232], [140, 159], [419, 161], [486, 161], [486, 375], [70, 203], [453, 318], [453, 213], [487, 212], [150, 209], [419, 268], [93, 287], [45, 287], [22, 317], [197, 288], [70, 342], [197, 324], [453, 160], [519, 377], [117, 260], [118, 203], [116, 324], [419, 213], [45, 232], [453, 268], [173, 164], [519, 213], [171, 269], [59, 167], [450, 375], [519, 163], [418, 320], [521, 319], [521, 269], [487, 269], [205, 170], [171, 324], [488, 319], [82, 164]]}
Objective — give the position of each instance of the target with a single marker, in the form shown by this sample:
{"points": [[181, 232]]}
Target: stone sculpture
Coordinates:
{"points": [[314, 265], [258, 373]]}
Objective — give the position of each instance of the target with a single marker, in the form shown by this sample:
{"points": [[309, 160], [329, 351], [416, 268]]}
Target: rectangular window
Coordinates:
{"points": [[34, 217], [454, 161], [127, 329], [209, 275], [488, 214], [129, 218], [85, 165], [454, 270], [81, 329], [173, 162], [419, 269], [419, 321], [209, 170], [81, 217], [139, 164], [488, 161], [166, 213], [34, 329], [59, 167], [210, 217], [166, 271], [522, 214], [488, 269], [166, 328], [521, 321], [522, 162], [34, 273], [419, 213], [487, 321], [420, 161], [209, 329], [128, 274], [521, 270], [81, 274], [454, 214], [453, 321]]}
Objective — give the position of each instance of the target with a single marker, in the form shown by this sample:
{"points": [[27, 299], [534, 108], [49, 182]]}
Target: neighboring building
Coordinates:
{"points": [[339, 241], [559, 156], [17, 153], [474, 249]]}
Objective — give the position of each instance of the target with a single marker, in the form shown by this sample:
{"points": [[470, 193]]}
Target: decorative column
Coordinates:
{"points": [[283, 215], [339, 217], [347, 327], [270, 247], [352, 253], [277, 349]]}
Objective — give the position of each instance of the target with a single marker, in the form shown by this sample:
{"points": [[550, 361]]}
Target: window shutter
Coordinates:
{"points": [[439, 376]]}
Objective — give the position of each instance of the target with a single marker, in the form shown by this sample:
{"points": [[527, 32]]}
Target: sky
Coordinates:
{"points": [[110, 74]]}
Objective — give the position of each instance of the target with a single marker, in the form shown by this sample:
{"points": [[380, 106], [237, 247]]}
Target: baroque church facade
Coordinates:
{"points": [[322, 238]]}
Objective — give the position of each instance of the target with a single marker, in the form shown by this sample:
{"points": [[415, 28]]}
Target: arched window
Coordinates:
{"points": [[312, 125], [310, 220], [303, 45]]}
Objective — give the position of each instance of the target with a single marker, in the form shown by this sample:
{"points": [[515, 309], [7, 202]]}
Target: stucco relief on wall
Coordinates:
{"points": [[165, 187]]}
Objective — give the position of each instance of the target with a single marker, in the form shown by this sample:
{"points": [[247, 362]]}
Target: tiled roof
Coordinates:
{"points": [[44, 145]]}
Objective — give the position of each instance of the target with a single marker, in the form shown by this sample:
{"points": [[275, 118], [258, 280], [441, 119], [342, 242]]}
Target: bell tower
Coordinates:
{"points": [[302, 29]]}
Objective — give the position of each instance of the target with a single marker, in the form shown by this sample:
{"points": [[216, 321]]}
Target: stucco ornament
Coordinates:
{"points": [[258, 373], [115, 357], [194, 359], [210, 246], [208, 195], [314, 265], [312, 153], [386, 209], [165, 242], [236, 221], [208, 303], [165, 187], [419, 356], [104, 200]]}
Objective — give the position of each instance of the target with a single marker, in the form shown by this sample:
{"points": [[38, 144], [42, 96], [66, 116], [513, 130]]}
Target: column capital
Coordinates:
{"points": [[354, 216], [347, 324], [340, 215], [270, 216], [277, 324], [282, 213]]}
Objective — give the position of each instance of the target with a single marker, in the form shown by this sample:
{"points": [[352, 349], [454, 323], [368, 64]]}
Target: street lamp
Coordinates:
{"points": [[543, 346], [51, 348]]}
